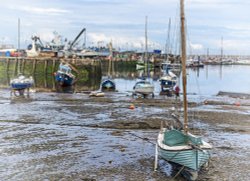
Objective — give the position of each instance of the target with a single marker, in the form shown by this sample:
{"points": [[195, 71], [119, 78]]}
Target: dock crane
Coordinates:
{"points": [[77, 37]]}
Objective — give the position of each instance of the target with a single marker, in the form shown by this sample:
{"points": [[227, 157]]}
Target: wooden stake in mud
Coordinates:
{"points": [[34, 66], [23, 64], [8, 65], [15, 66], [53, 65], [45, 66]]}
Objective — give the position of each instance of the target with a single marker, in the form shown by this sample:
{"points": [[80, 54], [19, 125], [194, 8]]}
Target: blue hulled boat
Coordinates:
{"points": [[108, 84], [21, 82], [168, 81], [64, 76]]}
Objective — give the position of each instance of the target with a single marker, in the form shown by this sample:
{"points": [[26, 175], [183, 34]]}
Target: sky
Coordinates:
{"points": [[211, 24]]}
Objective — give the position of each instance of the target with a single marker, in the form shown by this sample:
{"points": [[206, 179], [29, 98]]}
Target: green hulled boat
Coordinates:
{"points": [[179, 146], [184, 149]]}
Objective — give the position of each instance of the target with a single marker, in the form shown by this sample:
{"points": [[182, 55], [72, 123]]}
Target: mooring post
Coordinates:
{"points": [[15, 66], [23, 65], [45, 66], [34, 66], [53, 65], [8, 64]]}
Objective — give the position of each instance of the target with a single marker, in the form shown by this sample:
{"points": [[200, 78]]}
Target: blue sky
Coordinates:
{"points": [[123, 22]]}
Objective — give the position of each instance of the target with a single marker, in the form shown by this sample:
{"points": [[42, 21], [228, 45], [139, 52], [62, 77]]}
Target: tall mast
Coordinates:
{"points": [[168, 39], [18, 35], [146, 44], [18, 48], [221, 48], [183, 60]]}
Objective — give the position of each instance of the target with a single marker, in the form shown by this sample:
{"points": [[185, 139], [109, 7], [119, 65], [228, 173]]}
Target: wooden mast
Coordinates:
{"points": [[183, 60]]}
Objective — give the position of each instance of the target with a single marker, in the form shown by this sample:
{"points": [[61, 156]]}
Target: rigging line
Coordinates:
{"points": [[175, 34], [144, 139]]}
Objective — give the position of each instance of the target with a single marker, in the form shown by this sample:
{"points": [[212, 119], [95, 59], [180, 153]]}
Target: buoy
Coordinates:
{"points": [[132, 106], [237, 103]]}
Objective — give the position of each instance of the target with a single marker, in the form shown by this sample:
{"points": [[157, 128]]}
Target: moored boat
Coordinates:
{"points": [[64, 76], [144, 88], [21, 82], [176, 144], [168, 81], [184, 149], [108, 84]]}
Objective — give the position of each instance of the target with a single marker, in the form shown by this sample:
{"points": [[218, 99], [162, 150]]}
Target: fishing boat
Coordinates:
{"points": [[144, 87], [178, 145], [64, 76], [108, 83]]}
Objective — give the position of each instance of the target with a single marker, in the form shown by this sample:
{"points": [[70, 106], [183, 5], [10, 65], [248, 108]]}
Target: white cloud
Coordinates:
{"points": [[39, 10], [122, 21], [123, 42], [196, 46]]}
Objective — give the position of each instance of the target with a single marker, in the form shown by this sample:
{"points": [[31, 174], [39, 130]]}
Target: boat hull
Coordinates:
{"points": [[19, 86], [64, 79], [144, 88], [21, 82], [108, 85], [192, 158], [175, 147]]}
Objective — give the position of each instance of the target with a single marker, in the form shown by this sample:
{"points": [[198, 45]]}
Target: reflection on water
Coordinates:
{"points": [[205, 81], [212, 79]]}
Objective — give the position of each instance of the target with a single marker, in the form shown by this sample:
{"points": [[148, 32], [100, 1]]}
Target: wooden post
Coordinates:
{"points": [[34, 66], [45, 66], [23, 65], [8, 65], [15, 66], [53, 65]]}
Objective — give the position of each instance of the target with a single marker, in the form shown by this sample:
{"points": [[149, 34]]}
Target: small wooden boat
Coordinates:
{"points": [[187, 150], [64, 76], [179, 146]]}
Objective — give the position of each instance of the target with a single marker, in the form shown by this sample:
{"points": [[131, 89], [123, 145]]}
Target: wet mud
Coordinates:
{"points": [[51, 136]]}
